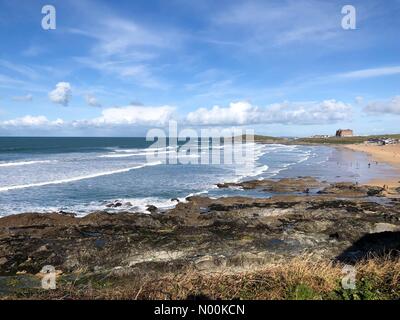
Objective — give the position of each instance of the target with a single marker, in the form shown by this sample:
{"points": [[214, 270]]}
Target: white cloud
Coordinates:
{"points": [[31, 121], [243, 113], [92, 101], [26, 98], [61, 94], [134, 115], [111, 117], [237, 113], [391, 106]]}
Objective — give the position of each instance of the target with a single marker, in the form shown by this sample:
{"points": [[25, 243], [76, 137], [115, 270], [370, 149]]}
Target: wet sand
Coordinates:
{"points": [[389, 154]]}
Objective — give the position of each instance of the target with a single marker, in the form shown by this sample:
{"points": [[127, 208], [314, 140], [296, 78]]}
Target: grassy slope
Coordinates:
{"points": [[330, 140], [299, 279]]}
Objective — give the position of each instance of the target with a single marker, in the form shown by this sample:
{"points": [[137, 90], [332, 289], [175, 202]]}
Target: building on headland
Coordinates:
{"points": [[344, 133]]}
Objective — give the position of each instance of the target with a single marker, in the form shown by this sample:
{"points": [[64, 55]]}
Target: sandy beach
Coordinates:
{"points": [[389, 154]]}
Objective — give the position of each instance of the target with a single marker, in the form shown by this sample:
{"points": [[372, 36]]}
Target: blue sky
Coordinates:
{"points": [[119, 68]]}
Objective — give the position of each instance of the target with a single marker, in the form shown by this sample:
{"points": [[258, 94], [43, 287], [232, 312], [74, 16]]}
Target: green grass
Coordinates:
{"points": [[329, 140], [302, 292]]}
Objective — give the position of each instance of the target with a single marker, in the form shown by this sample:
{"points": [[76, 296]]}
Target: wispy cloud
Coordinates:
{"points": [[262, 24], [33, 51], [29, 78], [9, 82], [370, 73], [127, 49], [26, 98], [308, 81], [20, 69], [140, 73]]}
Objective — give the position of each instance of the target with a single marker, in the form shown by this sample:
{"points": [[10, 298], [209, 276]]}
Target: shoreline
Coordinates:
{"points": [[388, 154], [120, 205], [341, 224], [324, 225]]}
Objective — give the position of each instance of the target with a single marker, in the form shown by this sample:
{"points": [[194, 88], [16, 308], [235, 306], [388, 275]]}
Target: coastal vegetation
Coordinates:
{"points": [[301, 278], [321, 141]]}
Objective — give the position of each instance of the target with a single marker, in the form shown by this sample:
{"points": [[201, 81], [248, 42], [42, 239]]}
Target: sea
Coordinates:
{"points": [[83, 175]]}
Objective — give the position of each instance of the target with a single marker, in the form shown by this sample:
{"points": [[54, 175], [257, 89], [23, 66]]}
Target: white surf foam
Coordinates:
{"points": [[24, 163], [249, 172], [128, 155], [74, 179], [117, 155], [133, 204]]}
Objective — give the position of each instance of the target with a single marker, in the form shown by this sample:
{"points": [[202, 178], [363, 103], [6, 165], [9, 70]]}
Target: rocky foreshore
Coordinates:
{"points": [[336, 222]]}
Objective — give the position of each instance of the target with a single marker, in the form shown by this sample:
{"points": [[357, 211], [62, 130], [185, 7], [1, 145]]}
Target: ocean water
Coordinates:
{"points": [[82, 175]]}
